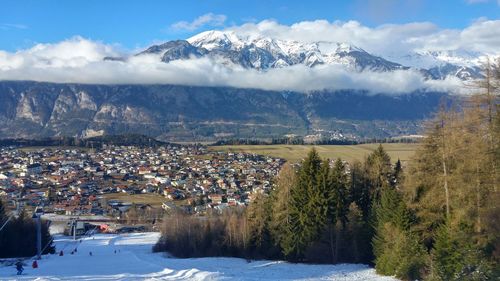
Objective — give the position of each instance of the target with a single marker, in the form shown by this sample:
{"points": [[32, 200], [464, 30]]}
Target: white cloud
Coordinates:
{"points": [[72, 53], [80, 60], [386, 40], [209, 19]]}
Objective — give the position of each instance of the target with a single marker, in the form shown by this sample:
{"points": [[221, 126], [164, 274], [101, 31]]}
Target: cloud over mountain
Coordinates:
{"points": [[388, 39], [209, 19], [81, 60]]}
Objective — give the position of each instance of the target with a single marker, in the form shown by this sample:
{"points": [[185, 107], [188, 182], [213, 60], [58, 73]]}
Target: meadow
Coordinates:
{"points": [[350, 153]]}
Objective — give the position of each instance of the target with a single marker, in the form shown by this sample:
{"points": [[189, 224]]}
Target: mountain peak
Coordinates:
{"points": [[215, 39], [263, 53]]}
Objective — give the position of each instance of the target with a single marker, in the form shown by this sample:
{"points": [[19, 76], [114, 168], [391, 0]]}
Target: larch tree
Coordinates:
{"points": [[281, 204]]}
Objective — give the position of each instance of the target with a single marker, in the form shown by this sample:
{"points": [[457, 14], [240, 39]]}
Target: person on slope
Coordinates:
{"points": [[19, 267]]}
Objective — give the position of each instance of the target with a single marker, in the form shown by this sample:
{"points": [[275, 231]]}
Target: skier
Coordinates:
{"points": [[19, 267]]}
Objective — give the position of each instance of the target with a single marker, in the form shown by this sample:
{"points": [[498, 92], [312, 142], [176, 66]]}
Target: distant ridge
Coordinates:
{"points": [[186, 113]]}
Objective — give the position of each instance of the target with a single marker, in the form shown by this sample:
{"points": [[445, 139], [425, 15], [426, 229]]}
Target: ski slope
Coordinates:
{"points": [[134, 260]]}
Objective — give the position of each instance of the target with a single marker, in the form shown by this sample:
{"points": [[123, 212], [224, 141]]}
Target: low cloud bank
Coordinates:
{"points": [[79, 60], [392, 40], [85, 65]]}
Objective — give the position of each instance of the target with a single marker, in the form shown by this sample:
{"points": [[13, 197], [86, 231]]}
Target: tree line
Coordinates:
{"points": [[436, 219], [320, 212], [323, 141], [93, 142], [18, 237]]}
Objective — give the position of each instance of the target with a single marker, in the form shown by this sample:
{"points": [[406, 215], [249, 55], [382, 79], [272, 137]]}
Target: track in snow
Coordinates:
{"points": [[135, 261]]}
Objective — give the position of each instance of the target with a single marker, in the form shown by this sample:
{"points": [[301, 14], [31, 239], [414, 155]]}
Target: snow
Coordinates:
{"points": [[215, 39], [428, 59], [281, 53], [135, 261]]}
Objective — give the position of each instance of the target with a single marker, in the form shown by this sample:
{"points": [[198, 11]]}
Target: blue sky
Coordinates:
{"points": [[135, 24]]}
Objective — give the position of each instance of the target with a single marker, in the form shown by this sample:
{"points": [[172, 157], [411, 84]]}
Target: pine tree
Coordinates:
{"points": [[339, 193], [397, 250], [397, 177], [18, 238], [378, 169], [338, 201], [3, 214], [358, 236], [360, 189], [455, 257], [306, 218]]}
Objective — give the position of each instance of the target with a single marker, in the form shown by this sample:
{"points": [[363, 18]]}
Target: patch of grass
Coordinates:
{"points": [[350, 153], [155, 200]]}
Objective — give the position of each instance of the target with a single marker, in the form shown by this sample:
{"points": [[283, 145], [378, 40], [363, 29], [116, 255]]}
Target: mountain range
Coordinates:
{"points": [[195, 113], [188, 113], [262, 53]]}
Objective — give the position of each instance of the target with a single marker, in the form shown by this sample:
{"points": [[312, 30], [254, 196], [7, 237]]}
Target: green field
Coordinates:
{"points": [[295, 153], [155, 200]]}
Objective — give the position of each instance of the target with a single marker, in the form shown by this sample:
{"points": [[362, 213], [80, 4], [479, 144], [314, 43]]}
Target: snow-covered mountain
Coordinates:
{"points": [[262, 53], [439, 64]]}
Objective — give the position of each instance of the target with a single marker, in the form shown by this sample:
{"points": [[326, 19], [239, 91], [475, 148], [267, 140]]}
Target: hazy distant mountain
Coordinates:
{"points": [[33, 109]]}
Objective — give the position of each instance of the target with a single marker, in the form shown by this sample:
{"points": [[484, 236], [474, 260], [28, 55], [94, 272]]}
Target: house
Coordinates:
{"points": [[34, 169], [215, 198]]}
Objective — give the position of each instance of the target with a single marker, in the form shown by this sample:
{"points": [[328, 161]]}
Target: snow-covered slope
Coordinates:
{"points": [[262, 53], [134, 261], [461, 63]]}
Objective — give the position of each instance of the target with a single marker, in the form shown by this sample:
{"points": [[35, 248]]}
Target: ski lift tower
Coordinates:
{"points": [[38, 220]]}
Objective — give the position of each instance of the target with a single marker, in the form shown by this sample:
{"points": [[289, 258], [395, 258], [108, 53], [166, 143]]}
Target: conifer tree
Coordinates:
{"points": [[339, 194], [3, 214], [397, 173], [378, 169], [306, 219], [360, 189], [455, 257], [397, 251], [339, 204], [358, 236]]}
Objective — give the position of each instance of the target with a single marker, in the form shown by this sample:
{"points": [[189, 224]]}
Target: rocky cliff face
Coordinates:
{"points": [[166, 112]]}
